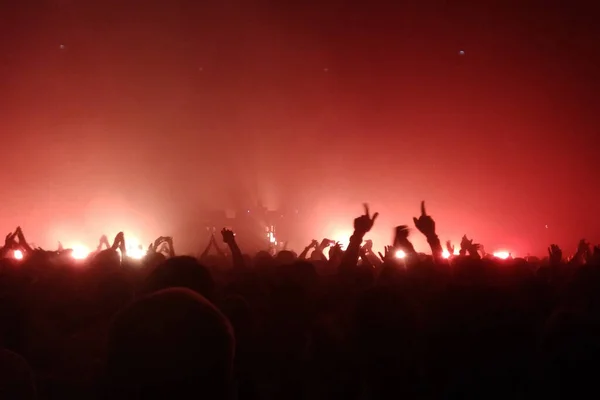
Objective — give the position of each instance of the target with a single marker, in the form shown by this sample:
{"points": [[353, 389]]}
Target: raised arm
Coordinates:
{"points": [[236, 253], [362, 225], [313, 245], [426, 225], [208, 247]]}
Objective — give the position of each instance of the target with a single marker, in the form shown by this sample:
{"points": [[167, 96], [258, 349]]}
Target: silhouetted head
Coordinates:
{"points": [[285, 257], [16, 377], [106, 259], [263, 259], [171, 344], [212, 261], [303, 273], [181, 271], [152, 259]]}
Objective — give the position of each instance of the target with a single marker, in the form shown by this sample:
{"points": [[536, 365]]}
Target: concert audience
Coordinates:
{"points": [[327, 323]]}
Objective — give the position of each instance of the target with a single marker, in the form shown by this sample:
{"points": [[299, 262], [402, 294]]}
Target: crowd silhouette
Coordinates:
{"points": [[325, 323]]}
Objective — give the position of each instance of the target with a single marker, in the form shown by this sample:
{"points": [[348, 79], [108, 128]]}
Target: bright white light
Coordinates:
{"points": [[502, 254], [18, 255], [136, 253], [134, 249], [446, 253], [80, 252], [271, 238], [342, 237], [400, 254]]}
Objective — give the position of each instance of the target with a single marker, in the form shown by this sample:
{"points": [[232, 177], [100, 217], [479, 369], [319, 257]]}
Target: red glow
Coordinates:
{"points": [[437, 98], [80, 252], [502, 254]]}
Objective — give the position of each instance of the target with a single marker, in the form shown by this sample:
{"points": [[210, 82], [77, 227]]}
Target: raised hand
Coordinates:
{"points": [[583, 248], [19, 234], [22, 241], [368, 246], [120, 237], [326, 243], [555, 254], [228, 236], [160, 240], [466, 243], [450, 247], [313, 244], [118, 241], [164, 248], [103, 242], [336, 251], [401, 235], [388, 253], [401, 241], [425, 224], [10, 240], [364, 223]]}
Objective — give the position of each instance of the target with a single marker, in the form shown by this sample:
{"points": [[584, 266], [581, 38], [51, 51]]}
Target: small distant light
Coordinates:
{"points": [[446, 254], [326, 69], [248, 211], [400, 254], [18, 255], [62, 47], [503, 255], [462, 52]]}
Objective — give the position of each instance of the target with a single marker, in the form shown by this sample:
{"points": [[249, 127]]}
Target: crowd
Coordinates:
{"points": [[327, 323]]}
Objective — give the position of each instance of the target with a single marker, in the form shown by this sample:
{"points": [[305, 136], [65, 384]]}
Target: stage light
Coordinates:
{"points": [[80, 252], [17, 254], [503, 255], [400, 254], [446, 253], [136, 253], [342, 237], [135, 249]]}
